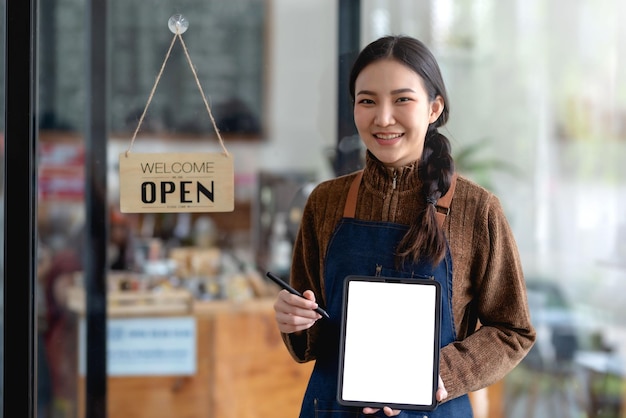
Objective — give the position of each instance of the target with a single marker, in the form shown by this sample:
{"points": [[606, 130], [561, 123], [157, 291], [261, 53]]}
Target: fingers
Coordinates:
{"points": [[310, 296], [294, 313], [442, 393], [295, 305], [391, 412], [388, 411]]}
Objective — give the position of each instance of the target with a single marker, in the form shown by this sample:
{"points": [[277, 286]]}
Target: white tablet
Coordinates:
{"points": [[389, 346]]}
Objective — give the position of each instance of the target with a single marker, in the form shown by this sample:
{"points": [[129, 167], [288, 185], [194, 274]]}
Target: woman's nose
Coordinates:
{"points": [[384, 116]]}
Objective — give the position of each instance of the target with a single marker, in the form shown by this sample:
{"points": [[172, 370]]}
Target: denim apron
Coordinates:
{"points": [[367, 248]]}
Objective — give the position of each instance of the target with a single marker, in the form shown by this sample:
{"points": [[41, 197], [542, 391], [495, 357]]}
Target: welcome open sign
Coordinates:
{"points": [[176, 182]]}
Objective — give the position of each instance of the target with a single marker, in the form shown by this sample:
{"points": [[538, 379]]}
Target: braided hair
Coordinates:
{"points": [[424, 239]]}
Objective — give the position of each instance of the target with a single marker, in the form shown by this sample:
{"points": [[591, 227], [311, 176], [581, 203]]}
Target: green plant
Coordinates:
{"points": [[469, 160]]}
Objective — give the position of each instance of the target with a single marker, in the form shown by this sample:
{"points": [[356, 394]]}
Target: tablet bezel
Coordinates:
{"points": [[435, 343]]}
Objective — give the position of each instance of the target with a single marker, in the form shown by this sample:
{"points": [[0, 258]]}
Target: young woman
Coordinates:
{"points": [[394, 227]]}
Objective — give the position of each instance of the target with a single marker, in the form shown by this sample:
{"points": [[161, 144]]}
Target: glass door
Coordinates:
{"points": [[116, 314], [163, 314]]}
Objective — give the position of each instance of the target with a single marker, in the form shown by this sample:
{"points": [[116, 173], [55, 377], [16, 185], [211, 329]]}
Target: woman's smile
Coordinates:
{"points": [[387, 136], [388, 139]]}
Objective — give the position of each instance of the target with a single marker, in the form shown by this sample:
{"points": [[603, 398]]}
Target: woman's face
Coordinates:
{"points": [[392, 111]]}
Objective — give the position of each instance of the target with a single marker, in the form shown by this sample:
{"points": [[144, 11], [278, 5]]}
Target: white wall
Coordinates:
{"points": [[302, 84]]}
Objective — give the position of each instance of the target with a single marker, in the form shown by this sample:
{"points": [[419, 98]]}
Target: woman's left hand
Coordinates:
{"points": [[388, 411], [441, 394]]}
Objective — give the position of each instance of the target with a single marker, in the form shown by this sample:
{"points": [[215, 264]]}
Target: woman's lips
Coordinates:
{"points": [[387, 138]]}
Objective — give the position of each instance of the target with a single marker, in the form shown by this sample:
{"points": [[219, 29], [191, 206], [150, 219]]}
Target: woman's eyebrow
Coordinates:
{"points": [[404, 90], [397, 91]]}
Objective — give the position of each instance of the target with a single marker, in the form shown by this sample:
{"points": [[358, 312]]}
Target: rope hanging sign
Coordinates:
{"points": [[176, 182]]}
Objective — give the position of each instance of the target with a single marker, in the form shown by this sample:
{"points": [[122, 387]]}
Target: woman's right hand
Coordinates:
{"points": [[294, 313]]}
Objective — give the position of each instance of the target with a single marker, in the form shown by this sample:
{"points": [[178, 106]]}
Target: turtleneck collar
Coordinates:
{"points": [[380, 177]]}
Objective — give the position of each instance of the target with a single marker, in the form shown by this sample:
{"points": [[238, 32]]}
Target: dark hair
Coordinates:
{"points": [[424, 239]]}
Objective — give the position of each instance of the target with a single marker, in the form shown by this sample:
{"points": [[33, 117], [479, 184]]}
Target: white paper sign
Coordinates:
{"points": [[147, 346]]}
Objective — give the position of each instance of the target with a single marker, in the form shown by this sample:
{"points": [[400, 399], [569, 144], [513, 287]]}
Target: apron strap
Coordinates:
{"points": [[442, 207], [443, 204], [349, 209]]}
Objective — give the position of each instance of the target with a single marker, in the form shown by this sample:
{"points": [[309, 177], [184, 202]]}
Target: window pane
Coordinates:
{"points": [[536, 104], [190, 328], [536, 97], [61, 63]]}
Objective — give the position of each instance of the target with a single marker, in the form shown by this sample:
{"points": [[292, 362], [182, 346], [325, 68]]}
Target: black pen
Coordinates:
{"points": [[293, 291]]}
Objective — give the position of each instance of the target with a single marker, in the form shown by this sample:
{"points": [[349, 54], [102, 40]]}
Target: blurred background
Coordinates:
{"points": [[538, 116]]}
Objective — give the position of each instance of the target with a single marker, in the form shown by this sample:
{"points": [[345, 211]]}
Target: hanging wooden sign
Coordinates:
{"points": [[176, 182]]}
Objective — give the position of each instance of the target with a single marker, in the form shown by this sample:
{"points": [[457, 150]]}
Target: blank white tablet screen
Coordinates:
{"points": [[389, 343]]}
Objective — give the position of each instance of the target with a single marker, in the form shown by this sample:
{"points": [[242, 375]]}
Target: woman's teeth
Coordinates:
{"points": [[387, 136]]}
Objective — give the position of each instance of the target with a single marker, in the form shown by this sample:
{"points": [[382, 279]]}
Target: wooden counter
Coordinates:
{"points": [[243, 371], [254, 375]]}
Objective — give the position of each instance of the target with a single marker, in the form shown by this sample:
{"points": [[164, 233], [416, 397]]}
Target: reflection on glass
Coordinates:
{"points": [[226, 42], [534, 86], [535, 83]]}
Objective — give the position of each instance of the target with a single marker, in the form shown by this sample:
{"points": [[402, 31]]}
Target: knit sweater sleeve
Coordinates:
{"points": [[486, 260], [321, 213]]}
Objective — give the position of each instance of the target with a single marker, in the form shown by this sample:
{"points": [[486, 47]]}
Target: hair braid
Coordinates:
{"points": [[425, 239]]}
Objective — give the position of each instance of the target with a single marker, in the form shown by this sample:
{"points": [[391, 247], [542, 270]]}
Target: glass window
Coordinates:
{"points": [[537, 116], [189, 312]]}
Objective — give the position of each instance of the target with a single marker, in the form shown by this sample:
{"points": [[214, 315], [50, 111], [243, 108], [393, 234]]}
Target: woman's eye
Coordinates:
{"points": [[366, 101], [403, 99]]}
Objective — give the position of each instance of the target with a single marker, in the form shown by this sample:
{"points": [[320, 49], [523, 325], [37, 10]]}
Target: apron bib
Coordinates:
{"points": [[367, 248]]}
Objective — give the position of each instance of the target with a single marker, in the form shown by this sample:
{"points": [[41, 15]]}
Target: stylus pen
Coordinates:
{"points": [[293, 291]]}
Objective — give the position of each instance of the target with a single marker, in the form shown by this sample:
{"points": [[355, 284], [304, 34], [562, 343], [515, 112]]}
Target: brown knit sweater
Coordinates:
{"points": [[488, 283]]}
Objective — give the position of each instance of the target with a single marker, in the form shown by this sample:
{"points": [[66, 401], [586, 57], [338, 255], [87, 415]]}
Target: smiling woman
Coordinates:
{"points": [[390, 220]]}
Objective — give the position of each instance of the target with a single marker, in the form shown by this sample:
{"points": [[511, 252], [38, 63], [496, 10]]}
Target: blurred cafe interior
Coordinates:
{"points": [[538, 116]]}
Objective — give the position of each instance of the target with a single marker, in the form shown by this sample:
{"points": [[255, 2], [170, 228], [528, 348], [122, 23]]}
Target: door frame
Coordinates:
{"points": [[20, 207]]}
